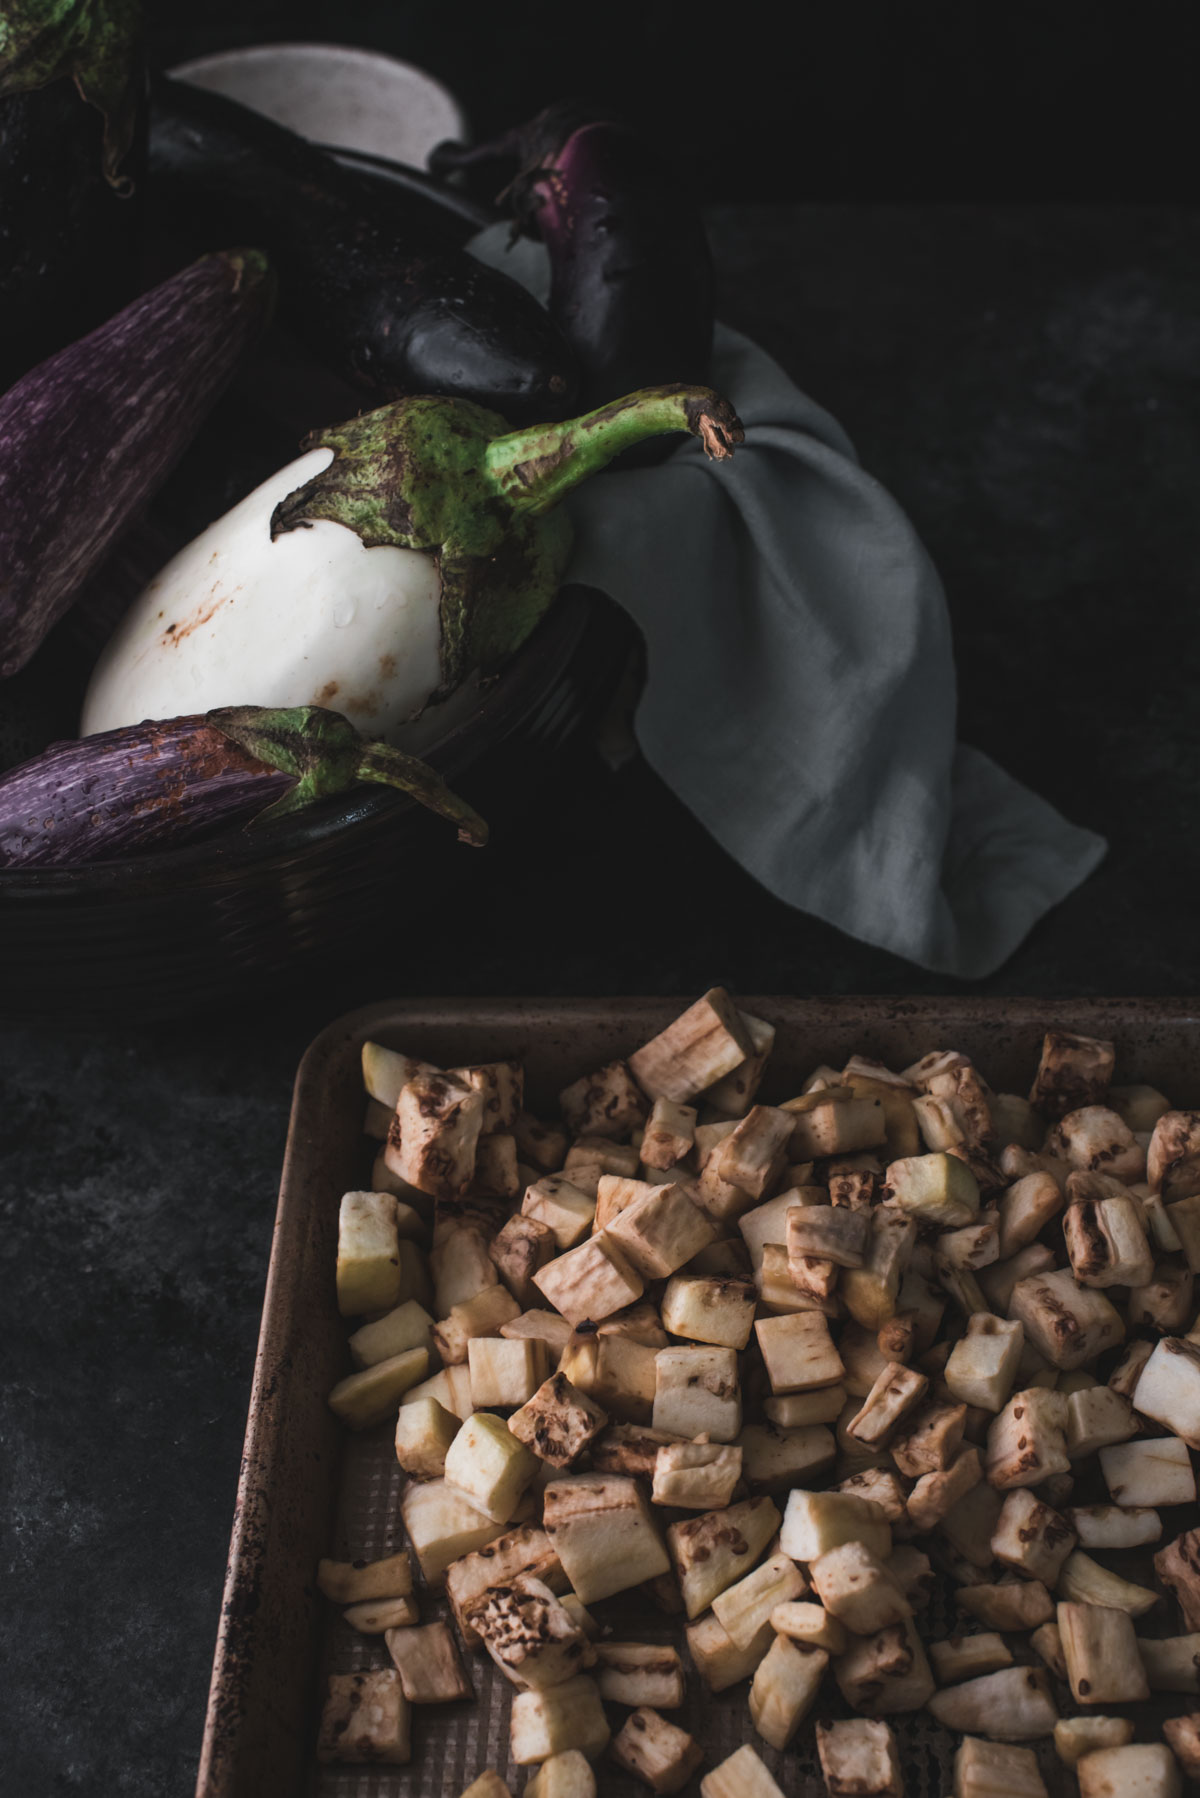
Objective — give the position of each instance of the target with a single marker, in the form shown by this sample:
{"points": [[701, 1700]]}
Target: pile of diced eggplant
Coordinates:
{"points": [[779, 1368]]}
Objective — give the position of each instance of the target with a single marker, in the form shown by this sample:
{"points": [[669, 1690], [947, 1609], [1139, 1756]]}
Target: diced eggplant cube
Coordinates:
{"points": [[1012, 1705], [660, 1231], [366, 1718], [606, 1103], [669, 1134], [1155, 1470], [816, 1522], [983, 1363], [501, 1086], [1074, 1070], [1076, 1736], [489, 1466], [745, 1606], [857, 1588], [364, 1399], [859, 1759], [602, 1530], [429, 1664], [368, 1258], [505, 1372], [707, 1042], [742, 1775], [640, 1673], [528, 1633], [713, 1550], [1067, 1323], [1032, 1537], [707, 1308], [1168, 1389], [563, 1717], [526, 1550], [657, 1751], [887, 1673], [1139, 1770], [566, 1775], [1173, 1158], [558, 1422], [438, 1122], [696, 1476], [591, 1282], [996, 1770], [697, 1392], [424, 1432], [798, 1351], [564, 1208], [615, 1372]]}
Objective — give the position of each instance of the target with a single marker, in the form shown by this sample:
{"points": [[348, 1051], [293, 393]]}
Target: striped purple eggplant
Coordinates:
{"points": [[631, 271], [90, 434], [161, 784]]}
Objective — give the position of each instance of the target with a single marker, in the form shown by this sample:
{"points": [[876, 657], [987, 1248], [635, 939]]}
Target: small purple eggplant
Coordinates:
{"points": [[158, 785], [90, 434], [631, 271]]}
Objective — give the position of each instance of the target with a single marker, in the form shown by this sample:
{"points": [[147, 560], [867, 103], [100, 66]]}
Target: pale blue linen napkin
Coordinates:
{"points": [[800, 690]]}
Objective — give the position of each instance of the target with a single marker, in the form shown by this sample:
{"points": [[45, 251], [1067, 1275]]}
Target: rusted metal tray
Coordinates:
{"points": [[307, 1490]]}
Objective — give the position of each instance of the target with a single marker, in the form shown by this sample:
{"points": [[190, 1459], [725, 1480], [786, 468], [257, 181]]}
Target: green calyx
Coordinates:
{"points": [[450, 479], [94, 42], [324, 754]]}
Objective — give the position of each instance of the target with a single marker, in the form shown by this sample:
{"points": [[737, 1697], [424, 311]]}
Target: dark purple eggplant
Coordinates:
{"points": [[449, 208], [90, 434], [631, 271], [72, 130], [371, 273], [158, 785]]}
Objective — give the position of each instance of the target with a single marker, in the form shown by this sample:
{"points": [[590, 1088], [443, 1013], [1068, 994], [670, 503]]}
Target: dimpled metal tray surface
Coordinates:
{"points": [[309, 1489]]}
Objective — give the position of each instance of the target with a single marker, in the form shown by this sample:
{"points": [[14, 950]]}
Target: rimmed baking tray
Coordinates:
{"points": [[306, 1489]]}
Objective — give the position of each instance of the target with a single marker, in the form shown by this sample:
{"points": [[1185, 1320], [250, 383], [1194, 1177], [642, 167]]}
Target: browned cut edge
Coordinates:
{"points": [[230, 1762]]}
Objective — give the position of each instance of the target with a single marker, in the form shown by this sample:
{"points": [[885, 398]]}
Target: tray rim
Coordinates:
{"points": [[226, 1712]]}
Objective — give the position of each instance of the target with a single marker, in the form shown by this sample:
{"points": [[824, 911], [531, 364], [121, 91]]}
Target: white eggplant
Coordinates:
{"points": [[404, 551], [310, 617]]}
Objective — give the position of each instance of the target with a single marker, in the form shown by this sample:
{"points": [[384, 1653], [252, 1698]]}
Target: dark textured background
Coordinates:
{"points": [[1027, 379]]}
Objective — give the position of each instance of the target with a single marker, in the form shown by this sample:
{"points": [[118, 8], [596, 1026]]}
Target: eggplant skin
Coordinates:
{"points": [[88, 436], [107, 797], [631, 271], [632, 284], [371, 275]]}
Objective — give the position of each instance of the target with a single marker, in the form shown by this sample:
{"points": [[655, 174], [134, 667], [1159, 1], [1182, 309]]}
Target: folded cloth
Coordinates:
{"points": [[800, 689]]}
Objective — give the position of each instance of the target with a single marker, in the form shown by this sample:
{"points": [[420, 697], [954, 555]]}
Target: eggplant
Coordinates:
{"points": [[72, 138], [401, 553], [88, 436], [165, 783], [449, 211], [371, 275], [631, 271]]}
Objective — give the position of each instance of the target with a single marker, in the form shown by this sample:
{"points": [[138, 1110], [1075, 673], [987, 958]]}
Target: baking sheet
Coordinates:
{"points": [[307, 1489]]}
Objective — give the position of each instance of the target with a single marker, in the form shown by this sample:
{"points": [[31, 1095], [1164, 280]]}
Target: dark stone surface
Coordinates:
{"points": [[1027, 382]]}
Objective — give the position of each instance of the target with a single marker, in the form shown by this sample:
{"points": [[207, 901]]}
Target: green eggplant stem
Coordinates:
{"points": [[535, 468], [392, 768], [325, 754]]}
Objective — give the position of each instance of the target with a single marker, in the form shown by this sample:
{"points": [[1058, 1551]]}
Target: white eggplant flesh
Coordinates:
{"points": [[311, 618]]}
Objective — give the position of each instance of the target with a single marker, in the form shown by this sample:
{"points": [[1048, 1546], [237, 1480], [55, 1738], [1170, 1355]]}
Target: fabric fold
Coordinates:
{"points": [[800, 694]]}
